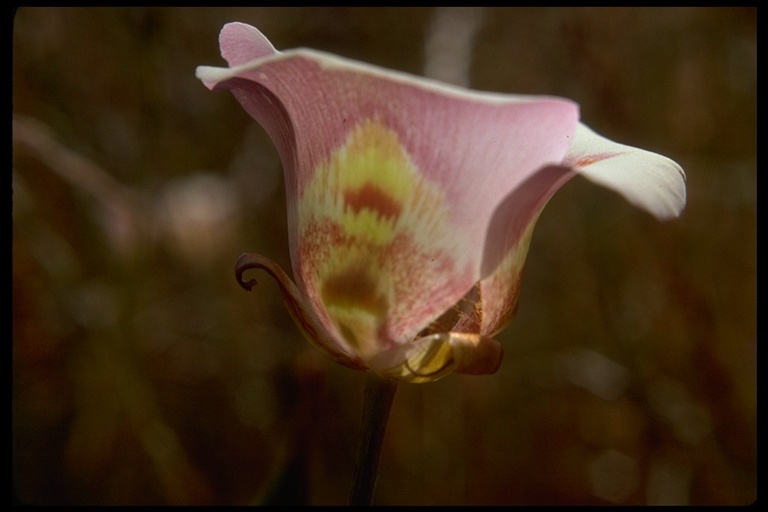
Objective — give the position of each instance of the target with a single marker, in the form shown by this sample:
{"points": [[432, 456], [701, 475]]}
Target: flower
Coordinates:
{"points": [[411, 203]]}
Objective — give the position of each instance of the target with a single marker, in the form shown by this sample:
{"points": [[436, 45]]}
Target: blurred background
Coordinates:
{"points": [[142, 373]]}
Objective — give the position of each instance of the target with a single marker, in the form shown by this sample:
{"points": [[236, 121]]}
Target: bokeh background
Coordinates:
{"points": [[142, 374]]}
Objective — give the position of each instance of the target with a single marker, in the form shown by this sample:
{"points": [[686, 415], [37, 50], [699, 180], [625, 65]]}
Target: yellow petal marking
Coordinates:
{"points": [[359, 206]]}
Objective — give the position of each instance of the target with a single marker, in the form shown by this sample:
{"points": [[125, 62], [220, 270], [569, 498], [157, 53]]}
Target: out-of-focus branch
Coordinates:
{"points": [[123, 222], [74, 168]]}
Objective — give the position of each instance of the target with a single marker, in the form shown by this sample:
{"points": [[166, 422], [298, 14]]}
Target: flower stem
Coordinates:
{"points": [[377, 403]]}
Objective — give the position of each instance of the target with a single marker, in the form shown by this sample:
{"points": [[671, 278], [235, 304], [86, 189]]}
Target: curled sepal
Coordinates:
{"points": [[433, 357], [300, 312]]}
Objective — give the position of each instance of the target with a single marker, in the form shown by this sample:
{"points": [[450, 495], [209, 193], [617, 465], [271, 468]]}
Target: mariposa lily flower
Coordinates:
{"points": [[411, 203]]}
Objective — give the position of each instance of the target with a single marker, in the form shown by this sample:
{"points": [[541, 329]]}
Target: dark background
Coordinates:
{"points": [[142, 374]]}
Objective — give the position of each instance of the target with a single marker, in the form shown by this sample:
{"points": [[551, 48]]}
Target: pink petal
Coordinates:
{"points": [[466, 150], [648, 180], [506, 246], [241, 43]]}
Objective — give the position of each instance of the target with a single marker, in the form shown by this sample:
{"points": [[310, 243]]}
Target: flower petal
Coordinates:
{"points": [[391, 180], [301, 314], [648, 180], [506, 246], [241, 43], [433, 357]]}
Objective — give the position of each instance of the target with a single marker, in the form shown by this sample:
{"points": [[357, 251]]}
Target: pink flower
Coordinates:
{"points": [[411, 203]]}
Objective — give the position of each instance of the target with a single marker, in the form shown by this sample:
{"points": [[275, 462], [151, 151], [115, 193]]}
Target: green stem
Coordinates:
{"points": [[377, 403]]}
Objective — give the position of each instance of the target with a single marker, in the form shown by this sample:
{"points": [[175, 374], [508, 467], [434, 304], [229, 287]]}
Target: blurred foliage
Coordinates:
{"points": [[142, 374]]}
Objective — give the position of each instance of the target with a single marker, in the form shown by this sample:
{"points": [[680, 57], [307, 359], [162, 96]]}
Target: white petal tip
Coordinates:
{"points": [[211, 74], [647, 180]]}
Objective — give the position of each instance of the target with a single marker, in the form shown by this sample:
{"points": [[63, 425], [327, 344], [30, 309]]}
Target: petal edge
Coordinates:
{"points": [[648, 180]]}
